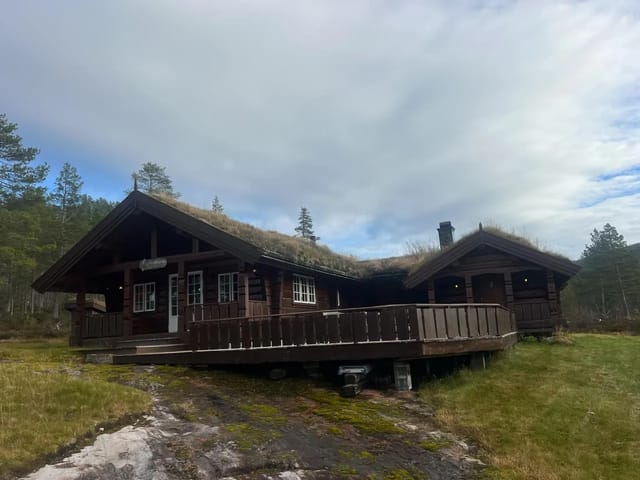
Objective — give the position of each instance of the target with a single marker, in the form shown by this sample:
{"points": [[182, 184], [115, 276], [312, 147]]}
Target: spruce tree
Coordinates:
{"points": [[66, 194], [216, 206], [305, 224]]}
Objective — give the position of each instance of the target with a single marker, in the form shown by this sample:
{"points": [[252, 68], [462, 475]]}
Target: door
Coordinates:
{"points": [[489, 288], [173, 303]]}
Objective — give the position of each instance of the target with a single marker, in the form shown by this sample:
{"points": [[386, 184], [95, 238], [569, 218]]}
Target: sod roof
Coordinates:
{"points": [[254, 244], [304, 252], [274, 244]]}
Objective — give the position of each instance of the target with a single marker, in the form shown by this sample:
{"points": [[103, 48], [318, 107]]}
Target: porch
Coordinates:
{"points": [[408, 331], [530, 293]]}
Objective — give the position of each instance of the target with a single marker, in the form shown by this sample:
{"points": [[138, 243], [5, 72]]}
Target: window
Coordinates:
{"points": [[228, 287], [144, 297], [194, 288], [304, 289]]}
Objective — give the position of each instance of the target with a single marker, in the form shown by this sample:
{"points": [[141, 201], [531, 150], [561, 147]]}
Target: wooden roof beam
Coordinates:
{"points": [[186, 257]]}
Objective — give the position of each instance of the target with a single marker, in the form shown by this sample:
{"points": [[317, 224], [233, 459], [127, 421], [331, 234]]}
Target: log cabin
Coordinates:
{"points": [[491, 266], [185, 285]]}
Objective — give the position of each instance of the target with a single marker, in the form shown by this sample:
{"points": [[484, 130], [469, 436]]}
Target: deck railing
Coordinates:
{"points": [[99, 325], [533, 315], [214, 311], [388, 323]]}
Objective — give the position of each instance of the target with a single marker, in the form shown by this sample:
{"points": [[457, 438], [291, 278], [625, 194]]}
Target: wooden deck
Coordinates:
{"points": [[409, 331]]}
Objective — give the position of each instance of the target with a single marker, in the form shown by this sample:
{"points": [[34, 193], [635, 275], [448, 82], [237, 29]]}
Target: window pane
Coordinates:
{"points": [[150, 303], [194, 288], [223, 287], [228, 287], [138, 298], [234, 287]]}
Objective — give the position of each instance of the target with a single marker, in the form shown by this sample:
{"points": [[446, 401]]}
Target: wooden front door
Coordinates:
{"points": [[489, 288], [173, 303]]}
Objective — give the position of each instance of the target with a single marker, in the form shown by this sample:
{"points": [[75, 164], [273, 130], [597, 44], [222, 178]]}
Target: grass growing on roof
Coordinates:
{"points": [[278, 244], [551, 411], [48, 401], [305, 252]]}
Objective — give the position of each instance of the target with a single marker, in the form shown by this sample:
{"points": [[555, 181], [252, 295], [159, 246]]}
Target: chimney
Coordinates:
{"points": [[445, 232]]}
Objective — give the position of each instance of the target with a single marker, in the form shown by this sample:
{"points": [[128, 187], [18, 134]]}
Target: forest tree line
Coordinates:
{"points": [[605, 294], [39, 223]]}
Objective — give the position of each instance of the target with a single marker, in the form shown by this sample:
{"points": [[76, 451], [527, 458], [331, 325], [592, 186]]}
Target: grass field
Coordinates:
{"points": [[540, 411], [551, 411], [49, 399]]}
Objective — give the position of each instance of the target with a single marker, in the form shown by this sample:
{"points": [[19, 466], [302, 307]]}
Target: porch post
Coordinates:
{"points": [[127, 305], [277, 286], [431, 291], [508, 290], [554, 304], [243, 294], [468, 287], [77, 317]]}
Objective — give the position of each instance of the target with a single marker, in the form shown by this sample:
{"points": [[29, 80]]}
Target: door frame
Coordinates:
{"points": [[172, 326]]}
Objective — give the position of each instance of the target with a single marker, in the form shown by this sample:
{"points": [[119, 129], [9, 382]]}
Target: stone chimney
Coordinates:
{"points": [[445, 232]]}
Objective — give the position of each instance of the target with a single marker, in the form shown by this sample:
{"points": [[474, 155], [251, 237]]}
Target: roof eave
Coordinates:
{"points": [[291, 265], [139, 201], [433, 266]]}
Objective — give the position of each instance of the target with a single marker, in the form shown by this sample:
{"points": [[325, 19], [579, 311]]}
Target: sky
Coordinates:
{"points": [[383, 118]]}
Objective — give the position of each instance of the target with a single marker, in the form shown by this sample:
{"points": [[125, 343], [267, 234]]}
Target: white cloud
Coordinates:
{"points": [[383, 118]]}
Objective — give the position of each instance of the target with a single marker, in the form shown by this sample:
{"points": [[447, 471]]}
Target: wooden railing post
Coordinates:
{"points": [[75, 339], [468, 287], [431, 291], [127, 304], [193, 337]]}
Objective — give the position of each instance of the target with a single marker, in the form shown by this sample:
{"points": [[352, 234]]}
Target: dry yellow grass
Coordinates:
{"points": [[49, 401], [278, 244]]}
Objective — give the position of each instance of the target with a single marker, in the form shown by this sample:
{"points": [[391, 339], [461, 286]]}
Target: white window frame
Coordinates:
{"points": [[190, 296], [304, 289], [147, 302], [230, 280]]}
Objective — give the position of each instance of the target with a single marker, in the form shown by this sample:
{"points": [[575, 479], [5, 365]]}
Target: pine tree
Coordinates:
{"points": [[152, 178], [603, 241], [66, 199], [305, 224], [23, 211], [66, 195], [216, 206], [17, 175], [609, 282]]}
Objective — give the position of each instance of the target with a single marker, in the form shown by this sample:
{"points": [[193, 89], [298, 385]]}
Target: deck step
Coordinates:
{"points": [[168, 347], [144, 342]]}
